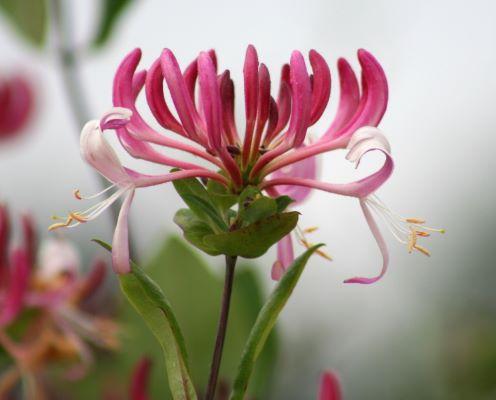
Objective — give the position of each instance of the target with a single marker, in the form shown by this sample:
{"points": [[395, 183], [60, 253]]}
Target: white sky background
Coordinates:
{"points": [[439, 57]]}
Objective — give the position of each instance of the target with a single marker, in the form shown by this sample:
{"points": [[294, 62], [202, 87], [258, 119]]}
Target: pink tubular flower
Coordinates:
{"points": [[140, 378], [330, 387], [16, 105], [272, 154]]}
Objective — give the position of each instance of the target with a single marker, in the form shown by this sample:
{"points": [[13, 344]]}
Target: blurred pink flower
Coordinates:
{"points": [[140, 378], [51, 286], [16, 105], [273, 154], [330, 387]]}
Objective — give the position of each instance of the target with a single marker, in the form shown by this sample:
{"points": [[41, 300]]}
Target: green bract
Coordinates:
{"points": [[248, 230]]}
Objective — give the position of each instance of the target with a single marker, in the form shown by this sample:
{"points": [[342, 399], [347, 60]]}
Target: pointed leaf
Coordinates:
{"points": [[265, 322], [260, 208], [255, 239], [149, 301]]}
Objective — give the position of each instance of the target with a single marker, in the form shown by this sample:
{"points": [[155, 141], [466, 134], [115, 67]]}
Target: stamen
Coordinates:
{"points": [[300, 235], [405, 230], [310, 229]]}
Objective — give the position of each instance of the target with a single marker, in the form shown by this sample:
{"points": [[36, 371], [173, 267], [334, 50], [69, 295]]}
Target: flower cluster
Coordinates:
{"points": [[271, 152], [43, 319]]}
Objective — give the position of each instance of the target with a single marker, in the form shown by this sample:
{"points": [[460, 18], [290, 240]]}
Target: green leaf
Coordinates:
{"points": [[207, 209], [220, 195], [283, 202], [255, 239], [111, 11], [194, 230], [149, 301], [199, 201], [29, 17], [265, 322], [260, 208]]}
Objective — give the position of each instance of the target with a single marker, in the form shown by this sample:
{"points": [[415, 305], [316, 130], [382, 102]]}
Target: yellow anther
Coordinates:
{"points": [[60, 224], [324, 255], [423, 250], [310, 229], [78, 217], [77, 194], [415, 220], [422, 233]]}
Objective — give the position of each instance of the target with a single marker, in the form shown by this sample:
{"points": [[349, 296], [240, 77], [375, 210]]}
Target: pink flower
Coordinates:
{"points": [[140, 378], [273, 154], [51, 284], [330, 387], [16, 105]]}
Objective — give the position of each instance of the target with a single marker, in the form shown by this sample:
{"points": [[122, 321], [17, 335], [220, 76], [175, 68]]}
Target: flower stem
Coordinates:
{"points": [[221, 328]]}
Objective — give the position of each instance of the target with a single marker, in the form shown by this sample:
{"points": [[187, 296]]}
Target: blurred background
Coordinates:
{"points": [[425, 331]]}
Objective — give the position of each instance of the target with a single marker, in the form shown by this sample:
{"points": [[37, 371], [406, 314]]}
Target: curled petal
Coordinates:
{"points": [[140, 378], [349, 98], [330, 387], [361, 188], [321, 89], [180, 95], [285, 257], [301, 96], [154, 89], [97, 152], [380, 242], [116, 118], [120, 242], [374, 97]]}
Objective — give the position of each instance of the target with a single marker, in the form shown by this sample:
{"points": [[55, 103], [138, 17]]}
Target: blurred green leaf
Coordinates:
{"points": [[194, 290], [255, 239], [194, 230], [265, 322], [29, 17], [111, 11], [149, 301]]}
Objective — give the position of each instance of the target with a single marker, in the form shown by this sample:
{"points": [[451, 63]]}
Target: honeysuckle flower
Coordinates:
{"points": [[51, 285], [330, 387], [16, 105], [274, 140]]}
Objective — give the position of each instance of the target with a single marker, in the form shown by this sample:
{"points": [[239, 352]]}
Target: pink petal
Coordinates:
{"points": [[301, 99], [96, 151], [17, 287], [321, 90], [93, 281], [210, 99], [348, 98], [180, 95], [263, 105], [374, 98], [285, 257], [380, 242], [250, 73], [307, 169], [120, 242], [4, 242], [16, 105], [140, 378], [330, 387], [361, 188], [154, 90], [226, 87]]}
